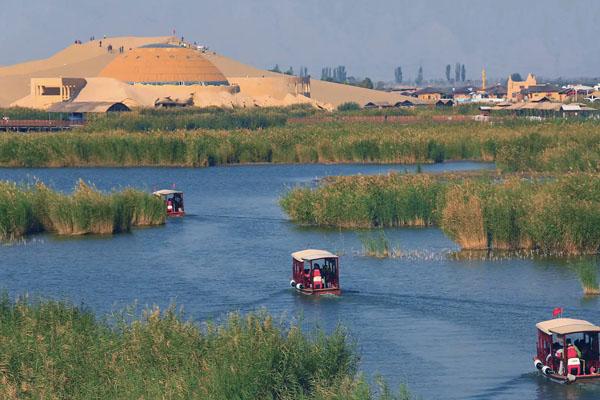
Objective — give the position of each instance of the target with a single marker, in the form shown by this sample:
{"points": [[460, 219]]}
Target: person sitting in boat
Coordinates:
{"points": [[169, 205], [573, 356], [317, 279], [307, 282], [177, 201], [572, 351]]}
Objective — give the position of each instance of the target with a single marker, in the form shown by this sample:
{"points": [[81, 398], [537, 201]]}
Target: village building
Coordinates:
{"points": [[442, 103], [462, 95], [498, 92], [593, 97], [430, 94], [538, 93], [377, 105], [514, 88], [410, 103], [545, 109]]}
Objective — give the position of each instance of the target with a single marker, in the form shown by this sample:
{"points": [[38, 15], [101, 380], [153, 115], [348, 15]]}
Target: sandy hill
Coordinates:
{"points": [[88, 59], [76, 61], [322, 91]]}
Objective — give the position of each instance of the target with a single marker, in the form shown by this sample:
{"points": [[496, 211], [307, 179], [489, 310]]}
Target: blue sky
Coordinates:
{"points": [[548, 37]]}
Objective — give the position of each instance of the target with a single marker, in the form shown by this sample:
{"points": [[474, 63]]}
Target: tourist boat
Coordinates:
{"points": [[556, 357], [316, 272], [173, 201]]}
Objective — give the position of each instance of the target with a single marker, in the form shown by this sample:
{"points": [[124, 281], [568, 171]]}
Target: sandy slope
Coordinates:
{"points": [[88, 59], [75, 54], [324, 92], [76, 61]]}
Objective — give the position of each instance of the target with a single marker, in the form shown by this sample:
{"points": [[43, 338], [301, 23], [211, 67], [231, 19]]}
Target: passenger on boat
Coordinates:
{"points": [[317, 280], [169, 205], [307, 282], [177, 202], [573, 357], [572, 351]]}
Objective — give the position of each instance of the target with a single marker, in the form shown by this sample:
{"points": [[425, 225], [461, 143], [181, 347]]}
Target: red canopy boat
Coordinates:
{"points": [[316, 272], [567, 350], [173, 201]]}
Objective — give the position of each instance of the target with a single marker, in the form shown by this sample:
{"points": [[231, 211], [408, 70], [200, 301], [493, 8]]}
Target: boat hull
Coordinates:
{"points": [[563, 380], [320, 292], [176, 214], [550, 374]]}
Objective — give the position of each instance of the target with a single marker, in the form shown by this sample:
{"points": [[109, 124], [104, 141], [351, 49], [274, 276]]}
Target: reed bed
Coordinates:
{"points": [[552, 215], [56, 350], [31, 209], [28, 113], [193, 118], [588, 275], [377, 245], [514, 146]]}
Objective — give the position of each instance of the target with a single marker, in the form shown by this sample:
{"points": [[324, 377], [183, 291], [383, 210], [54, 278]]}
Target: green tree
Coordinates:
{"points": [[419, 79], [367, 83], [349, 106], [276, 69], [516, 76], [398, 74], [457, 72], [290, 71]]}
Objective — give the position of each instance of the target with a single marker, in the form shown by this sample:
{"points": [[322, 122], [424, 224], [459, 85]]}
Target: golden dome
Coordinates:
{"points": [[164, 65]]}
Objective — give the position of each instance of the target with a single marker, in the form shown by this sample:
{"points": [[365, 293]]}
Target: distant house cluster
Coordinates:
{"points": [[519, 97]]}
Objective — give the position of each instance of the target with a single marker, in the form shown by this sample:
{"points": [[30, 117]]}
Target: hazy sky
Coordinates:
{"points": [[548, 37]]}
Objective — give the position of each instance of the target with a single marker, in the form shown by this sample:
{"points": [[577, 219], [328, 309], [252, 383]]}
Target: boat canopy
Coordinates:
{"points": [[166, 192], [312, 254], [566, 326]]}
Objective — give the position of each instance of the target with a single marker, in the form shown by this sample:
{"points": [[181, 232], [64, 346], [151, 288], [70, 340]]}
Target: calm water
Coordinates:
{"points": [[449, 329]]}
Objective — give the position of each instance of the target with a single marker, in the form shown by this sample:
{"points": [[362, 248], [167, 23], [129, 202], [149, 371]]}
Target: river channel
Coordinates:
{"points": [[449, 329]]}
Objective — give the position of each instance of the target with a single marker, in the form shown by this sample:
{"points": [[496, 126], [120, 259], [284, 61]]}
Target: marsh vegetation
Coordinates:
{"points": [[27, 209], [52, 349], [555, 146], [554, 215]]}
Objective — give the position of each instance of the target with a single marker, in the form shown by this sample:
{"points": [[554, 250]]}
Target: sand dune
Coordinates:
{"points": [[75, 54], [88, 59], [323, 92], [76, 61]]}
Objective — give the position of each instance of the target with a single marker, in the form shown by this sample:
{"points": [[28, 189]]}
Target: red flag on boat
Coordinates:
{"points": [[557, 312]]}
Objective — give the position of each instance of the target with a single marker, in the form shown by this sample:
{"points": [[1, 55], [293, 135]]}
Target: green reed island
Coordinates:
{"points": [[553, 214], [32, 209]]}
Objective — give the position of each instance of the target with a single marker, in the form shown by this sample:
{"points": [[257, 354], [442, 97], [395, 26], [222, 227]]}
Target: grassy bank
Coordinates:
{"points": [[55, 350], [31, 209], [553, 215], [514, 146]]}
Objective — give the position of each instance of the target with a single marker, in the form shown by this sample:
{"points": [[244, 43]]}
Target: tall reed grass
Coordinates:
{"points": [[554, 215], [376, 244], [588, 275], [55, 350], [195, 118], [548, 146], [27, 113], [30, 209]]}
